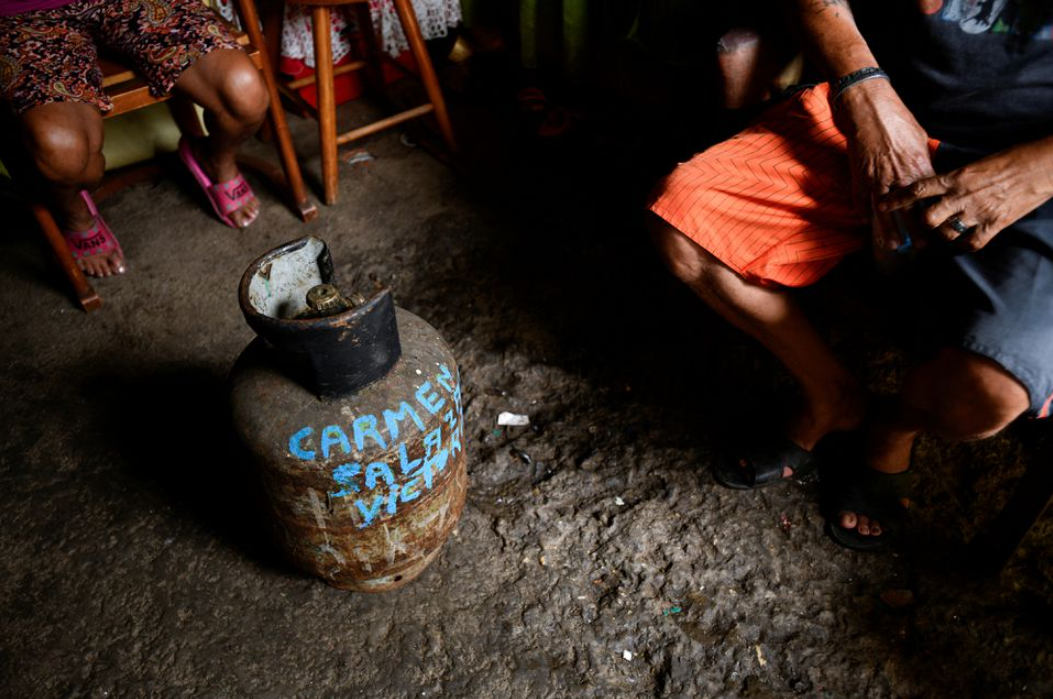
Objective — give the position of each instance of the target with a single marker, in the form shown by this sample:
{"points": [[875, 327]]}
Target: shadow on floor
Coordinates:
{"points": [[173, 430]]}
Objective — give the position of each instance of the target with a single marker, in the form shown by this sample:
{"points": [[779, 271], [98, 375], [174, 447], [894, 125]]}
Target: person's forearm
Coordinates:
{"points": [[1041, 156], [830, 36], [1032, 163], [834, 43]]}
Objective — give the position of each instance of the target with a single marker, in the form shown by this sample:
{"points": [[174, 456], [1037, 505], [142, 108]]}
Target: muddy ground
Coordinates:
{"points": [[596, 556]]}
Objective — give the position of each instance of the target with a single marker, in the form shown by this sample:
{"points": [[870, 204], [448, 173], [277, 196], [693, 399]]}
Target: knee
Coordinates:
{"points": [[685, 259], [738, 40], [65, 154], [974, 397], [243, 93]]}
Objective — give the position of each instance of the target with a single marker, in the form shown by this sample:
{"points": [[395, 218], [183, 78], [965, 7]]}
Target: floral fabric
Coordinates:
{"points": [[435, 18], [52, 55]]}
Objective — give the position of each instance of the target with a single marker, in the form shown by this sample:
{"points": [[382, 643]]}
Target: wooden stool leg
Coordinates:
{"points": [[427, 72], [374, 70], [1033, 493], [250, 21], [86, 295], [272, 15], [323, 61]]}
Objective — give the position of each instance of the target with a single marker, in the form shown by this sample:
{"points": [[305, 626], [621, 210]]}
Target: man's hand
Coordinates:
{"points": [[887, 149], [986, 196]]}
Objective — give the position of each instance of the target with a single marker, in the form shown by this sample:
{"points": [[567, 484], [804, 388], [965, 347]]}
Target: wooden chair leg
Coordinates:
{"points": [[992, 549], [271, 17], [86, 296], [323, 60], [374, 70], [427, 71], [250, 21]]}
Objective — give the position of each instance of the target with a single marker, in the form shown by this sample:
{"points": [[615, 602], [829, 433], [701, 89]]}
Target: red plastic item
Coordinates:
{"points": [[349, 86]]}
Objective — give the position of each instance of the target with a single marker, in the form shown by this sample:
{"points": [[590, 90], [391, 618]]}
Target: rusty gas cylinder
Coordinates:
{"points": [[350, 410]]}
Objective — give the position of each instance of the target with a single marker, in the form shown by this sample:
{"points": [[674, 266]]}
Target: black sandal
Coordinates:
{"points": [[872, 494], [761, 461]]}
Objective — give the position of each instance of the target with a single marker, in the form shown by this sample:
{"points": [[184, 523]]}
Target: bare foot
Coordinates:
{"points": [[224, 169], [885, 450], [840, 408], [863, 524]]}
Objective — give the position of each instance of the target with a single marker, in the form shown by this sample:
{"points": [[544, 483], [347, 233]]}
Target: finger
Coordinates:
{"points": [[905, 197], [919, 235], [885, 233], [899, 220], [956, 228], [937, 212], [977, 238], [946, 231]]}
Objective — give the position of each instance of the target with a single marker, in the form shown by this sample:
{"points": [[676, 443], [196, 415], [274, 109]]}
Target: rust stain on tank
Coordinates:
{"points": [[363, 486]]}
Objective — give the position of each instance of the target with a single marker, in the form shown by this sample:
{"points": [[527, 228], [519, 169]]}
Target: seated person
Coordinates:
{"points": [[51, 82], [950, 145]]}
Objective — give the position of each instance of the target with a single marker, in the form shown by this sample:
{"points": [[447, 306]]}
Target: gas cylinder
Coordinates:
{"points": [[350, 412]]}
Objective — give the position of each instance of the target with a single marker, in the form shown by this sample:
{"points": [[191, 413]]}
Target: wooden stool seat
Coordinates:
{"points": [[325, 74]]}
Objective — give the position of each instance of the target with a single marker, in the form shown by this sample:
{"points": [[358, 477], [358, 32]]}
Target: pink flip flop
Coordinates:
{"points": [[225, 197], [97, 240]]}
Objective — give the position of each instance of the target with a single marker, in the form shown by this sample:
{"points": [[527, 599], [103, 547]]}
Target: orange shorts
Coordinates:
{"points": [[773, 203]]}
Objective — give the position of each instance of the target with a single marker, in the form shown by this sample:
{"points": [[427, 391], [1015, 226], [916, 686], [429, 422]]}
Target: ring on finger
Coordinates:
{"points": [[956, 223]]}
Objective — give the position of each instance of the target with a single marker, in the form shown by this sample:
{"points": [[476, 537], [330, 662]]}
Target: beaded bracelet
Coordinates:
{"points": [[854, 78]]}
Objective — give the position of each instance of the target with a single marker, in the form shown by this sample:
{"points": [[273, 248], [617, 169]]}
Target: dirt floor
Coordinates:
{"points": [[596, 556]]}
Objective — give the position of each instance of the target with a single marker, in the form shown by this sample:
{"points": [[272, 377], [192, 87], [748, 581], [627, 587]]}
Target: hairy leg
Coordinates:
{"points": [[64, 140], [230, 89], [832, 399], [958, 395]]}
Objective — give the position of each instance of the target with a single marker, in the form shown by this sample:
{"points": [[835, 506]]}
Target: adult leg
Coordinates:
{"points": [[64, 140], [184, 46], [230, 89], [832, 399], [958, 394], [992, 312], [749, 218], [53, 89]]}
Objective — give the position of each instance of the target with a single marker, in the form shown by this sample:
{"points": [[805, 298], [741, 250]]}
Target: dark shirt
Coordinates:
{"points": [[975, 73]]}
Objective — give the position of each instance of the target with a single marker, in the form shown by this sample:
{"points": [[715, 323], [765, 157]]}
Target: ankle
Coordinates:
{"points": [[220, 167], [75, 217], [840, 407], [888, 451]]}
